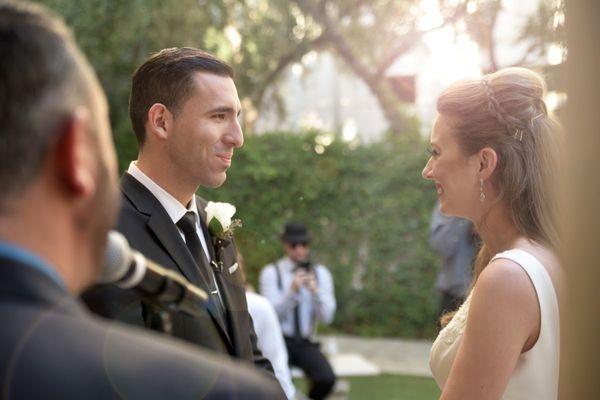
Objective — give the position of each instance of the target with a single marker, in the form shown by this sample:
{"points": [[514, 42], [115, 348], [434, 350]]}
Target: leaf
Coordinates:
{"points": [[214, 227]]}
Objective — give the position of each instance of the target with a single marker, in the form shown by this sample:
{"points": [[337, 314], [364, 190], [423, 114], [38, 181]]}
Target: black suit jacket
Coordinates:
{"points": [[51, 347], [150, 230]]}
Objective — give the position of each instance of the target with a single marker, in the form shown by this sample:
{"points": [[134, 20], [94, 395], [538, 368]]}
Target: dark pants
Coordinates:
{"points": [[307, 356]]}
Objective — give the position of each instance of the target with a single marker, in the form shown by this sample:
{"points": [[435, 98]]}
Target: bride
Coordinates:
{"points": [[493, 152]]}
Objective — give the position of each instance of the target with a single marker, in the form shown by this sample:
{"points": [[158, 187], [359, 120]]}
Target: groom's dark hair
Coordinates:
{"points": [[167, 78]]}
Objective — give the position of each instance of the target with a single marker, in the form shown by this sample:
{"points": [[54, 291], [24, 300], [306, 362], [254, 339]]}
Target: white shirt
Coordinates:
{"points": [[318, 307], [270, 339], [172, 206]]}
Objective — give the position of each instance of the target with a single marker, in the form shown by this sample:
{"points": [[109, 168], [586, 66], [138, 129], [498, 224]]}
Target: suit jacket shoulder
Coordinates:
{"points": [[51, 339]]}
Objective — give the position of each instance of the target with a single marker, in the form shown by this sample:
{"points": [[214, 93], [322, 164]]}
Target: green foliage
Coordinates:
{"points": [[368, 208], [118, 35], [396, 387], [393, 387]]}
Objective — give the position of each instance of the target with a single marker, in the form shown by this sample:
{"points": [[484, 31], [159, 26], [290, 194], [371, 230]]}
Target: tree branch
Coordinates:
{"points": [[332, 34], [413, 37], [491, 44], [292, 56]]}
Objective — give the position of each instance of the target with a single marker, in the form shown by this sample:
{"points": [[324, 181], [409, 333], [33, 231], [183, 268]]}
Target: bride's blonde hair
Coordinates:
{"points": [[505, 110]]}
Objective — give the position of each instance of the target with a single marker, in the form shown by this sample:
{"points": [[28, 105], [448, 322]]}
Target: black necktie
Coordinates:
{"points": [[297, 328], [187, 224]]}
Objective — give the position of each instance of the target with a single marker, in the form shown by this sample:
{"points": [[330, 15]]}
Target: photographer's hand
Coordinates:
{"points": [[300, 279], [311, 282]]}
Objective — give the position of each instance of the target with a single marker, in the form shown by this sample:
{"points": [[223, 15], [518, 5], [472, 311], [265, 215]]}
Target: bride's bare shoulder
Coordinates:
{"points": [[551, 262]]}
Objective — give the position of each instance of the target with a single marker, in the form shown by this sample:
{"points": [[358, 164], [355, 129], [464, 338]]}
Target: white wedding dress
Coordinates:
{"points": [[535, 376]]}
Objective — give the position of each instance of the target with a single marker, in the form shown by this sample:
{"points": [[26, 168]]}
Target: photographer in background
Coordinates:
{"points": [[302, 294]]}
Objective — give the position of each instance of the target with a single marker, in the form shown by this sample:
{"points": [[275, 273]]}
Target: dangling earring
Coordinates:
{"points": [[481, 193]]}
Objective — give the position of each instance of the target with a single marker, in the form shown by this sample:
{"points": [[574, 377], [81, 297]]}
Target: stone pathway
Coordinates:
{"points": [[391, 356]]}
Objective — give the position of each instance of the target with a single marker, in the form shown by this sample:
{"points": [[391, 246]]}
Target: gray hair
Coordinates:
{"points": [[43, 77]]}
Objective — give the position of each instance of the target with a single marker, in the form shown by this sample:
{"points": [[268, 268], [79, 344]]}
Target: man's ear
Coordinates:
{"points": [[488, 160], [75, 157], [159, 121]]}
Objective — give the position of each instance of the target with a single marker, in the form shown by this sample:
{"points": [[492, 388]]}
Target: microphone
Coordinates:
{"points": [[129, 269]]}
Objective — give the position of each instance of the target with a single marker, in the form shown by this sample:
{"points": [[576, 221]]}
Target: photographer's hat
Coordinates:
{"points": [[295, 232]]}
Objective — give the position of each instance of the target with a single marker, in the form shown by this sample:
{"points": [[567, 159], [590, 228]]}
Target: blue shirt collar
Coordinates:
{"points": [[14, 252]]}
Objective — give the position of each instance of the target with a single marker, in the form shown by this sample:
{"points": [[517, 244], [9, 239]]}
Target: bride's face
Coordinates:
{"points": [[454, 174]]}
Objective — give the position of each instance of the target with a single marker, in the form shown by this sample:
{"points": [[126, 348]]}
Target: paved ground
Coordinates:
{"points": [[392, 356]]}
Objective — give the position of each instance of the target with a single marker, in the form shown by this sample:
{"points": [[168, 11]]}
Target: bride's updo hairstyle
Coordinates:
{"points": [[505, 111]]}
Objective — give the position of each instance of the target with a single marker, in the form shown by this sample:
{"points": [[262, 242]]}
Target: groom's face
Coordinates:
{"points": [[206, 131]]}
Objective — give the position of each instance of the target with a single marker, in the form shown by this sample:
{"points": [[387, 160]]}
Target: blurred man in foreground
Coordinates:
{"points": [[58, 200]]}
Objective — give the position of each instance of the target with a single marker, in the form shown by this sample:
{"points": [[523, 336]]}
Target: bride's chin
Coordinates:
{"points": [[444, 207]]}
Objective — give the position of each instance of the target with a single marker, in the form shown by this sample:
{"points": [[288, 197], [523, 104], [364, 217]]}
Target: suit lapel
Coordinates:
{"points": [[233, 294], [197, 275], [227, 292], [170, 239], [163, 228], [201, 204]]}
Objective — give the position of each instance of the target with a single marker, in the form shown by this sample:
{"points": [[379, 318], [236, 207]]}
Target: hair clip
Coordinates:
{"points": [[519, 134], [537, 116]]}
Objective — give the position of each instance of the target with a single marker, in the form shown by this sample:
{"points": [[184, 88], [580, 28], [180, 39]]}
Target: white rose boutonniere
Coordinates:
{"points": [[219, 219], [221, 226]]}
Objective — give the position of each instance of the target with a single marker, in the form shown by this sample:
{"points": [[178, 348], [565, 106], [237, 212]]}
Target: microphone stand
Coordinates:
{"points": [[161, 289], [161, 321], [172, 294]]}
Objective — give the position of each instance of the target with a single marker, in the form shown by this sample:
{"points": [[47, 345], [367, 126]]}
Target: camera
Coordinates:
{"points": [[305, 265]]}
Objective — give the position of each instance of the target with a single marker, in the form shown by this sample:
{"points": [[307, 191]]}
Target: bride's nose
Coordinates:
{"points": [[426, 173]]}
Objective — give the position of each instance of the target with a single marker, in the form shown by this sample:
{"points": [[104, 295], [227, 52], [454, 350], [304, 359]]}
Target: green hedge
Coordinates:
{"points": [[368, 209]]}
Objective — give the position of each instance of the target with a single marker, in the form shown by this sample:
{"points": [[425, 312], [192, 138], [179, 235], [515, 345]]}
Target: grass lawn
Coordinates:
{"points": [[388, 387]]}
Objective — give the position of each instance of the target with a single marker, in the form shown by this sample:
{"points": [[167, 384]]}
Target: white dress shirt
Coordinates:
{"points": [[314, 307]]}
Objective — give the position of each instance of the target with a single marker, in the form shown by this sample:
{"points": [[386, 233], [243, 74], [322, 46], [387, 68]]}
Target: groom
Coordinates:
{"points": [[184, 108]]}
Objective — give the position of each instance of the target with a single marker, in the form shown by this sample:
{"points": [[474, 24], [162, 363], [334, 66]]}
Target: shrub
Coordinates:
{"points": [[368, 208]]}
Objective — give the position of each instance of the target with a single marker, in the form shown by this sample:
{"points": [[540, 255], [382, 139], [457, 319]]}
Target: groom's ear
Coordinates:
{"points": [[160, 121], [488, 161]]}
